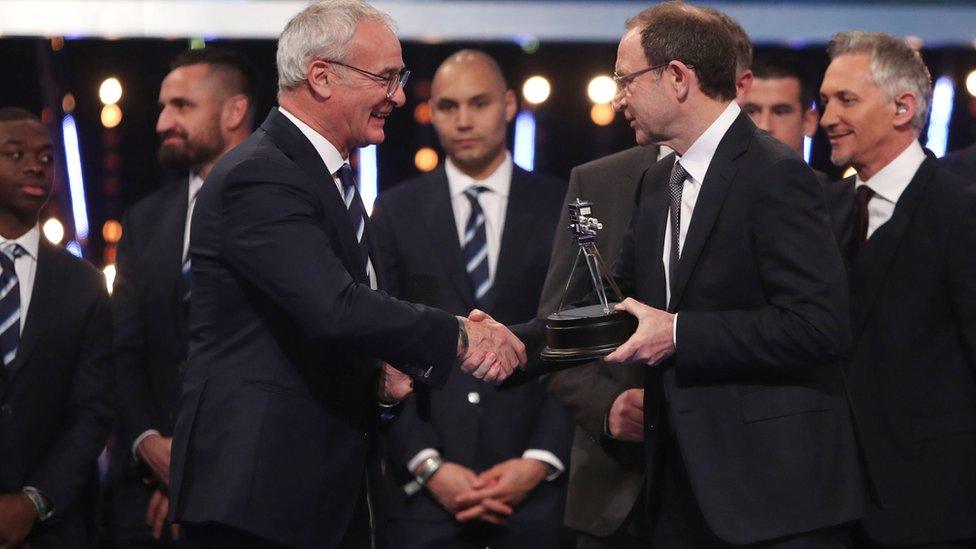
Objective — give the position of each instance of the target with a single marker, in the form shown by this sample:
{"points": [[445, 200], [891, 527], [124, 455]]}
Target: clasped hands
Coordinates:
{"points": [[490, 497]]}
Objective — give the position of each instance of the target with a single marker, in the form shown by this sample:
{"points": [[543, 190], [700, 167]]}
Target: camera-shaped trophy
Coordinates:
{"points": [[586, 333]]}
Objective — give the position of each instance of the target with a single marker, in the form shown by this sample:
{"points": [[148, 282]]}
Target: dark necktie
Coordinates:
{"points": [[357, 212], [862, 196], [474, 244], [675, 185], [9, 304]]}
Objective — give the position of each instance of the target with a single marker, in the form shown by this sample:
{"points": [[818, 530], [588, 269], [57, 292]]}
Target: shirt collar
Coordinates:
{"points": [[699, 155], [891, 180], [196, 183], [29, 241], [500, 181], [330, 155]]}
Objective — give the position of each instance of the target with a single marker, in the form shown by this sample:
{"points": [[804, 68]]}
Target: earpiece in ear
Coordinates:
{"points": [[901, 110]]}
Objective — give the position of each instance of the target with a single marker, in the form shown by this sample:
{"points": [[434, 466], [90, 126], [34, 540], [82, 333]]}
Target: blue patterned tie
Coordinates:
{"points": [[357, 211], [675, 185], [474, 244], [9, 304]]}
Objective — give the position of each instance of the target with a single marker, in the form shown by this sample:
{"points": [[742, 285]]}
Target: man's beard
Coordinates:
{"points": [[191, 154]]}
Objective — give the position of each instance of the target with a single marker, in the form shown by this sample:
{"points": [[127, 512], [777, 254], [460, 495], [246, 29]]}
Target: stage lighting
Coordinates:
{"points": [[601, 89], [536, 90], [110, 91], [426, 159], [111, 115], [601, 114], [53, 231]]}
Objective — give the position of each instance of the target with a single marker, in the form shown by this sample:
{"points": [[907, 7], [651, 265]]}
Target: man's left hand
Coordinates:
{"points": [[654, 339], [17, 518], [508, 482], [394, 385]]}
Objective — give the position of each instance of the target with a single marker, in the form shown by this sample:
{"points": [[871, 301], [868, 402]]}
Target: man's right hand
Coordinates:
{"points": [[626, 418], [493, 351], [154, 451], [448, 482]]}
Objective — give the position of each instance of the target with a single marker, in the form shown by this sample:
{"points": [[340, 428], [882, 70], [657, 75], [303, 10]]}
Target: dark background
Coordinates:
{"points": [[120, 165]]}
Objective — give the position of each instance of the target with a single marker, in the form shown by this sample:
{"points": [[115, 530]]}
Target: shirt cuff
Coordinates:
{"points": [[421, 456], [547, 457], [139, 439], [674, 333]]}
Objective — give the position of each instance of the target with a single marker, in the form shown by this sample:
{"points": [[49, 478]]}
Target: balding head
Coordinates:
{"points": [[471, 106]]}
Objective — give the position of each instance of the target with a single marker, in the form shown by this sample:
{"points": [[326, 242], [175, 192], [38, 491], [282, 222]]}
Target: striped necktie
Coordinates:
{"points": [[9, 304], [357, 211], [474, 244]]}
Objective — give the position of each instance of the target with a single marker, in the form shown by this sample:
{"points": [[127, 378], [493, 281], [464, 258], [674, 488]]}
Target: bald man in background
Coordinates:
{"points": [[473, 465]]}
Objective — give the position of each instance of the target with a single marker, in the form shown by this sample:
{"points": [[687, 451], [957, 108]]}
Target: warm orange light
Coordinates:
{"points": [[112, 231], [426, 159], [422, 113], [601, 114], [111, 115], [68, 103]]}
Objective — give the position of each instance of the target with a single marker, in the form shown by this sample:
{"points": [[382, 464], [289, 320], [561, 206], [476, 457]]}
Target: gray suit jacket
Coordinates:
{"points": [[605, 475]]}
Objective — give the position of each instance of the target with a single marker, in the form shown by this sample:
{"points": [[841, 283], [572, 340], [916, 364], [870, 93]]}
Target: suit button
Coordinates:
{"points": [[6, 410], [474, 397], [650, 427]]}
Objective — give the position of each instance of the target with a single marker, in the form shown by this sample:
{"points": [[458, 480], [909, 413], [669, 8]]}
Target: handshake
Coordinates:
{"points": [[487, 349]]}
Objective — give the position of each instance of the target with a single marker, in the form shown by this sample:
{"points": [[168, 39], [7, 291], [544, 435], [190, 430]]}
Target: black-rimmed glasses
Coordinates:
{"points": [[398, 80]]}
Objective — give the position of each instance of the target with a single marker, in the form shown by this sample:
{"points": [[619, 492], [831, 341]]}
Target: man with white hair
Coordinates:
{"points": [[277, 417], [912, 371]]}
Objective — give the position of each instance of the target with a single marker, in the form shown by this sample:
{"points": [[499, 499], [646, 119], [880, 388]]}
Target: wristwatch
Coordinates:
{"points": [[427, 470], [41, 503]]}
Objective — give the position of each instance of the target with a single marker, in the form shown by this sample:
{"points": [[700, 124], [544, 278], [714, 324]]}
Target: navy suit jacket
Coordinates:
{"points": [[56, 408], [913, 367], [754, 393], [277, 415], [150, 342], [421, 258]]}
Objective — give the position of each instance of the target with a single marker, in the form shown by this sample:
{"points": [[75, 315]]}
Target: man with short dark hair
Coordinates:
{"points": [[207, 104], [56, 380], [912, 236], [741, 304], [781, 101]]}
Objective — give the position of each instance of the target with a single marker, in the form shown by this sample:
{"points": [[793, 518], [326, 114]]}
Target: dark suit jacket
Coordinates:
{"points": [[418, 250], [605, 475], [278, 407], [962, 163], [150, 340], [913, 368], [757, 406], [56, 408]]}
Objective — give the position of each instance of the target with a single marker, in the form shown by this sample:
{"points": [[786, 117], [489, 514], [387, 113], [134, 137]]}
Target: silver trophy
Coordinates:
{"points": [[593, 331]]}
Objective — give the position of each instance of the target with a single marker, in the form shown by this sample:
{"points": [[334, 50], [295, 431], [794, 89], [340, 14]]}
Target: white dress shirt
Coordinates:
{"points": [[695, 161], [26, 267], [494, 203], [196, 183], [889, 183], [333, 162]]}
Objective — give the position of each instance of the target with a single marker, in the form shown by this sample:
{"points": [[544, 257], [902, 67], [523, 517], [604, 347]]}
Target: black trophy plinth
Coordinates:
{"points": [[586, 333]]}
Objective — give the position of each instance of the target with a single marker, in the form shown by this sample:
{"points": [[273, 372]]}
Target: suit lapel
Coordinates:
{"points": [[873, 263], [442, 231], [520, 224], [654, 191], [45, 300], [718, 179], [297, 147]]}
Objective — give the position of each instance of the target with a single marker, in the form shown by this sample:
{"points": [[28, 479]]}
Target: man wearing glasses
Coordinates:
{"points": [[279, 405], [740, 293]]}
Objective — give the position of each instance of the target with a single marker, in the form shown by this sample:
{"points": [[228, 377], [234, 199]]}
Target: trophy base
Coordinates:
{"points": [[586, 333]]}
